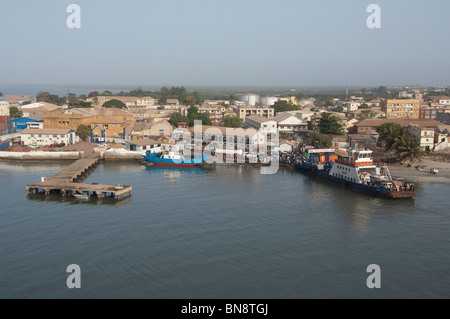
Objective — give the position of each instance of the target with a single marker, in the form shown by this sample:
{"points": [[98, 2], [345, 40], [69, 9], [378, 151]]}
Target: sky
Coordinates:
{"points": [[291, 43]]}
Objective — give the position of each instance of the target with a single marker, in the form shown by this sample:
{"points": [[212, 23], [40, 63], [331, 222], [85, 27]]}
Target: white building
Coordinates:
{"points": [[46, 137], [244, 111], [4, 108], [304, 102], [287, 146], [288, 123], [350, 106], [145, 101], [424, 135], [263, 124], [444, 100]]}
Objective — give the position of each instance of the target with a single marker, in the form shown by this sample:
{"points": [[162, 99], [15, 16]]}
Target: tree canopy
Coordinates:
{"points": [[283, 106], [93, 94], [83, 131], [114, 103], [50, 98], [14, 112], [323, 140], [233, 122], [177, 118], [329, 124]]}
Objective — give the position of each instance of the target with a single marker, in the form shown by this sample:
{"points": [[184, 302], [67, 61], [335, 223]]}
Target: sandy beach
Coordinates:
{"points": [[412, 174]]}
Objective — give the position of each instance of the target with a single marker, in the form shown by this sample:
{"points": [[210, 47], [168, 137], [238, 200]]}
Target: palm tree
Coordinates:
{"points": [[408, 150], [391, 135]]}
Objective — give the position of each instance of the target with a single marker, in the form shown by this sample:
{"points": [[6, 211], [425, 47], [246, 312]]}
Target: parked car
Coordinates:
{"points": [[33, 146]]}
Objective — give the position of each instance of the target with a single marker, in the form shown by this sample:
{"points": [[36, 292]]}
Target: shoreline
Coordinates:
{"points": [[414, 175]]}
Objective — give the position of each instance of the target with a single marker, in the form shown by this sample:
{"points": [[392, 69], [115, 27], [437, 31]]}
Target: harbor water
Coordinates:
{"points": [[221, 232]]}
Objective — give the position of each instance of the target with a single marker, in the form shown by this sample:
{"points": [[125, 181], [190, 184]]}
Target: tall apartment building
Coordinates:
{"points": [[399, 108]]}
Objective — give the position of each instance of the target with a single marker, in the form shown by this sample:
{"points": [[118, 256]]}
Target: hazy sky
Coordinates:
{"points": [[225, 43]]}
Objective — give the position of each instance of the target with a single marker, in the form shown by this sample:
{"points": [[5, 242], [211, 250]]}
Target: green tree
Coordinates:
{"points": [[107, 93], [82, 97], [329, 124], [177, 118], [364, 106], [114, 103], [339, 109], [83, 131], [283, 106], [194, 115], [25, 102], [80, 104], [1, 94], [390, 133], [367, 114], [324, 140], [50, 98], [408, 150], [232, 99], [15, 113], [329, 104], [233, 122], [93, 94], [382, 90]]}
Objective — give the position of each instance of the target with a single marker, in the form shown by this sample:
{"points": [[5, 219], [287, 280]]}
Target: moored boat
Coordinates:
{"points": [[174, 156], [356, 170]]}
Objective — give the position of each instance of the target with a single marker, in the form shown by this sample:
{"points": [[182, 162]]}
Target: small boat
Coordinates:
{"points": [[174, 156], [434, 170], [81, 196]]}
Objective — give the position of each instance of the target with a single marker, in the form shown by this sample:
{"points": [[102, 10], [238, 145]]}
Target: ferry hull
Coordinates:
{"points": [[367, 189]]}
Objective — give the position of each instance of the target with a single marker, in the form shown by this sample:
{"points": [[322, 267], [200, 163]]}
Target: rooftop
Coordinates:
{"points": [[402, 122], [46, 131], [258, 119], [144, 142]]}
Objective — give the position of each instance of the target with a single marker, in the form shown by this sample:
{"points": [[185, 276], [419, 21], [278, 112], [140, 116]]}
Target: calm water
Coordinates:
{"points": [[224, 233]]}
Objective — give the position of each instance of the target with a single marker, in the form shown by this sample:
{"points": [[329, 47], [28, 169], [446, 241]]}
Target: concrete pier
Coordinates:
{"points": [[64, 182]]}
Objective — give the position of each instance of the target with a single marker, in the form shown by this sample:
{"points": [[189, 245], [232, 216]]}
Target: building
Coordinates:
{"points": [[263, 124], [38, 109], [287, 146], [26, 122], [46, 137], [445, 100], [174, 102], [146, 101], [350, 106], [214, 112], [424, 135], [129, 101], [6, 126], [398, 108], [369, 125], [108, 127], [17, 99], [145, 145], [244, 111], [289, 124], [72, 118], [220, 137], [4, 108], [429, 112], [155, 127]]}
